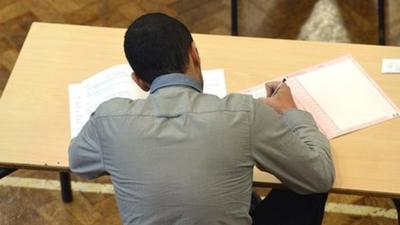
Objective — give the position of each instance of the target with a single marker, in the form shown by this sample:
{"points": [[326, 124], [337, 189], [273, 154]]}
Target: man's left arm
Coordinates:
{"points": [[85, 153]]}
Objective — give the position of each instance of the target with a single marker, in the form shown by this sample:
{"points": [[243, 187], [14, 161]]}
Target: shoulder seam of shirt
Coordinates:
{"points": [[145, 115], [101, 148], [251, 123]]}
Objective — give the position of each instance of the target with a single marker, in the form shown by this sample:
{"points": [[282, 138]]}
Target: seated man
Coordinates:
{"points": [[184, 157]]}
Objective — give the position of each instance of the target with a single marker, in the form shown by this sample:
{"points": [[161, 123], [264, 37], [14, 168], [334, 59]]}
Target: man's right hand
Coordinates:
{"points": [[282, 101]]}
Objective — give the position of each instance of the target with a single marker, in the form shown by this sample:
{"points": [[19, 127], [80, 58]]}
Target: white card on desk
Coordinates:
{"points": [[390, 66], [340, 96]]}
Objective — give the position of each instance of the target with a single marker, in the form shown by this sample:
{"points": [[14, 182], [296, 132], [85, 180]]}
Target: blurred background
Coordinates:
{"points": [[353, 21], [317, 20]]}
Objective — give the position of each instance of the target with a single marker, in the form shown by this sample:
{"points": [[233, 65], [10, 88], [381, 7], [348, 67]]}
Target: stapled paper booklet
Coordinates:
{"points": [[116, 81], [339, 94]]}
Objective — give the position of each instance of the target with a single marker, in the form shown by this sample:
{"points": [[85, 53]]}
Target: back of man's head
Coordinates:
{"points": [[156, 44]]}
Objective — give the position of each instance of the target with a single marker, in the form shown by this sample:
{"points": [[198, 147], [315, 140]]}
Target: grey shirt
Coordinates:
{"points": [[184, 157]]}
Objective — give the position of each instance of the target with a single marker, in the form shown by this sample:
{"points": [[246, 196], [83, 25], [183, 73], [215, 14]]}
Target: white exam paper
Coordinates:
{"points": [[214, 82], [116, 81]]}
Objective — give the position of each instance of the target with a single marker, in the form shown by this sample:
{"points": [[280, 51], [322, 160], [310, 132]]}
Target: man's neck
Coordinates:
{"points": [[195, 74]]}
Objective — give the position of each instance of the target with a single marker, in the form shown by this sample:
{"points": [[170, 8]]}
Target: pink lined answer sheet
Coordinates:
{"points": [[339, 94]]}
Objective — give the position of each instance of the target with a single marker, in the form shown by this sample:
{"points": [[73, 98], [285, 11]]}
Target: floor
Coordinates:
{"points": [[33, 197]]}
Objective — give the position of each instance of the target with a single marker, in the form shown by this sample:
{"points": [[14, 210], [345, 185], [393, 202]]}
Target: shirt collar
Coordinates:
{"points": [[175, 79]]}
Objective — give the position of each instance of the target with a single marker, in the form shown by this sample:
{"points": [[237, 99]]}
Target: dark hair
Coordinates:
{"points": [[157, 44]]}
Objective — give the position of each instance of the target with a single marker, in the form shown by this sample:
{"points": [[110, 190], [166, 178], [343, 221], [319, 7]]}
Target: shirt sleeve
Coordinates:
{"points": [[85, 154], [292, 148]]}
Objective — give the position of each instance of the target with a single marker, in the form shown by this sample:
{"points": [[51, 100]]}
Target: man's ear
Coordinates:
{"points": [[141, 83], [194, 54]]}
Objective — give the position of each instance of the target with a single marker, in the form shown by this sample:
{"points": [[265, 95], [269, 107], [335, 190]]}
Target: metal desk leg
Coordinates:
{"points": [[5, 171], [234, 19], [381, 39], [381, 22], [397, 204], [66, 192]]}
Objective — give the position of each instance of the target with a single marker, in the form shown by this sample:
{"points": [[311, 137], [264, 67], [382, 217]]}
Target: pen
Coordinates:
{"points": [[279, 86]]}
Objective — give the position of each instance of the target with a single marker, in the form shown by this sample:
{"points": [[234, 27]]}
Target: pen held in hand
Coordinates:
{"points": [[279, 86]]}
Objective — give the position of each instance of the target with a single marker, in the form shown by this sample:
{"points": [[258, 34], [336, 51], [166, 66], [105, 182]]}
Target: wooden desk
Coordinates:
{"points": [[34, 113]]}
